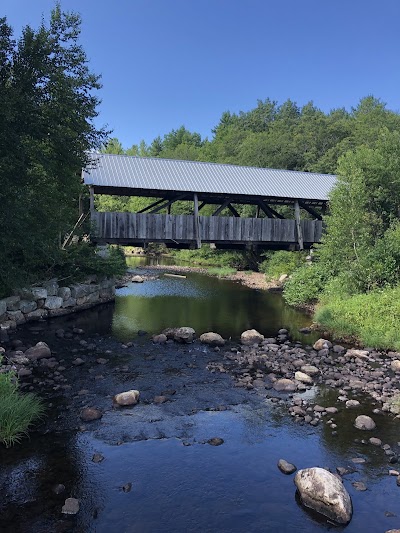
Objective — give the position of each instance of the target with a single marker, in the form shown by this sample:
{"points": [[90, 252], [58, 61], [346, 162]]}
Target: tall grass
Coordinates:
{"points": [[221, 272], [374, 317], [17, 411]]}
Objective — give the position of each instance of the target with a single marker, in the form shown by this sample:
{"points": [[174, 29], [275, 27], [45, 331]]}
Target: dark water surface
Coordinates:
{"points": [[203, 303], [179, 482]]}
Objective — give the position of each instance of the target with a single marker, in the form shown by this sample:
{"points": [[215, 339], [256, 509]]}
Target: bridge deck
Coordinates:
{"points": [[185, 230]]}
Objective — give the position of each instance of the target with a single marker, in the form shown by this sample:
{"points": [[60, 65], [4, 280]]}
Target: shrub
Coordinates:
{"points": [[305, 285], [17, 411], [281, 262]]}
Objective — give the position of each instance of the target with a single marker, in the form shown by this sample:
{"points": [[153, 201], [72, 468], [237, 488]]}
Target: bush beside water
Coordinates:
{"points": [[17, 411]]}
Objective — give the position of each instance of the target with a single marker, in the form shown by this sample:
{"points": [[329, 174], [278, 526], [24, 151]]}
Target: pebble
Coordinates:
{"points": [[71, 506], [98, 458], [285, 467], [90, 413], [215, 441], [359, 485]]}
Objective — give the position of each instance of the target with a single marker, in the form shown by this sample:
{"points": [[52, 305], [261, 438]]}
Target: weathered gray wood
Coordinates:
{"points": [[196, 221], [298, 225], [91, 200], [137, 228]]}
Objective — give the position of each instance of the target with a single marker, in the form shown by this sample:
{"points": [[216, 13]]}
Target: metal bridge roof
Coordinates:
{"points": [[147, 173]]}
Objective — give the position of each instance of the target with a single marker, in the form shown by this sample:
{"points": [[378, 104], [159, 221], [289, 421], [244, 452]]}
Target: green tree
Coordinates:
{"points": [[48, 107]]}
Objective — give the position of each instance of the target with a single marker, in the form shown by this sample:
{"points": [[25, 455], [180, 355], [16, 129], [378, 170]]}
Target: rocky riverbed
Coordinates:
{"points": [[342, 395]]}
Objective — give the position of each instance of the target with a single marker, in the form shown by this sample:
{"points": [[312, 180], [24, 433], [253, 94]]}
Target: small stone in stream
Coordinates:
{"points": [[137, 279], [331, 410], [365, 423], [127, 487], [393, 460], [322, 344], [215, 441], [303, 378], [342, 471], [393, 530], [59, 488], [388, 514], [101, 361], [375, 441], [159, 339], [310, 370], [285, 467], [71, 506], [130, 397], [160, 399], [251, 336], [78, 361], [359, 485], [351, 404], [90, 413], [284, 385], [168, 392], [358, 460], [97, 458], [394, 473], [212, 339]]}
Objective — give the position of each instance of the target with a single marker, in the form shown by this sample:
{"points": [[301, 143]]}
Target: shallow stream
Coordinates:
{"points": [[180, 483]]}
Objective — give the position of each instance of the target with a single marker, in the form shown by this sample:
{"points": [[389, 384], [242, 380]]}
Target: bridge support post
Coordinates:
{"points": [[298, 224], [196, 220]]}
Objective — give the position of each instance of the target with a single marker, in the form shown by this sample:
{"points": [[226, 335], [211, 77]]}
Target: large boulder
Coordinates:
{"points": [[130, 397], [365, 423], [51, 286], [325, 493], [251, 336], [211, 338], [27, 306], [184, 335], [40, 351]]}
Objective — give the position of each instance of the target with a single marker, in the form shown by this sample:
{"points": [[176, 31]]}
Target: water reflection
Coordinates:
{"points": [[204, 303]]}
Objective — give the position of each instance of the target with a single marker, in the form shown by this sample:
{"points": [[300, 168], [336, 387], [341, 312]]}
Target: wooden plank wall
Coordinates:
{"points": [[141, 227]]}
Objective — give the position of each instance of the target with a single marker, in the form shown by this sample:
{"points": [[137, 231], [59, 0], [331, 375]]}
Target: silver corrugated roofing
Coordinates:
{"points": [[194, 176]]}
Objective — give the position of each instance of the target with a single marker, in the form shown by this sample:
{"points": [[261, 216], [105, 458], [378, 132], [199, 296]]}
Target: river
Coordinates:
{"points": [[158, 473]]}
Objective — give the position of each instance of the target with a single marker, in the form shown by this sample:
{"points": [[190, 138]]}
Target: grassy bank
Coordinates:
{"points": [[373, 318]]}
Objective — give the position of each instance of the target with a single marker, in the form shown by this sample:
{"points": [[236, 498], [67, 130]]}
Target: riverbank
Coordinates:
{"points": [[253, 280], [249, 399]]}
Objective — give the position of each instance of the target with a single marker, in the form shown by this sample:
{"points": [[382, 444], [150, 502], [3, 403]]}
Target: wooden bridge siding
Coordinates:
{"points": [[111, 226]]}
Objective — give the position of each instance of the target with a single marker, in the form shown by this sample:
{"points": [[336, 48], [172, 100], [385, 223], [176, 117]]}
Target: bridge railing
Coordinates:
{"points": [[123, 228]]}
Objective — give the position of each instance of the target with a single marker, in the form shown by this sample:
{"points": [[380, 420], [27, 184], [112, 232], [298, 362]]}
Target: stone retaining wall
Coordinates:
{"points": [[53, 299]]}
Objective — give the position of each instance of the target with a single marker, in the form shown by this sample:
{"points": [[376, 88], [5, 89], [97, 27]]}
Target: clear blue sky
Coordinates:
{"points": [[165, 63]]}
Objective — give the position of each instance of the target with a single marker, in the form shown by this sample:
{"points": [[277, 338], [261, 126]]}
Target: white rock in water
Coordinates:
{"points": [[251, 336], [184, 334], [364, 422], [325, 493], [130, 397], [71, 506], [137, 279], [211, 338], [304, 378]]}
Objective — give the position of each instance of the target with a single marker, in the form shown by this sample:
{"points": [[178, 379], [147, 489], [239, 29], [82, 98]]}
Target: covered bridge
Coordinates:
{"points": [[221, 185]]}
